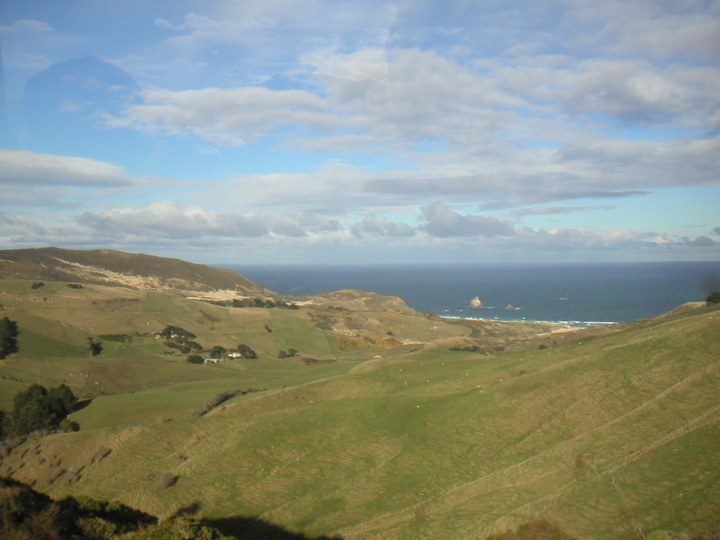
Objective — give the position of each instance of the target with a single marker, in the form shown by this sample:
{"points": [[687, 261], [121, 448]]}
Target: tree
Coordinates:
{"points": [[68, 425], [39, 408], [194, 359], [8, 337], [713, 298], [217, 351], [94, 347], [246, 351], [34, 410], [171, 331], [65, 396]]}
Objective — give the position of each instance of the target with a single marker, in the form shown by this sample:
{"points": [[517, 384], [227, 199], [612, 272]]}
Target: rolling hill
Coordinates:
{"points": [[116, 268], [386, 424]]}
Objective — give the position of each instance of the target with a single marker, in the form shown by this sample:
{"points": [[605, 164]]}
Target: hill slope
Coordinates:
{"points": [[383, 423], [107, 267], [613, 437]]}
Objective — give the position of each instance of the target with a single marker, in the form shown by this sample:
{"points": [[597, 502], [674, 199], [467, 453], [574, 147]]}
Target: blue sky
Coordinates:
{"points": [[277, 131]]}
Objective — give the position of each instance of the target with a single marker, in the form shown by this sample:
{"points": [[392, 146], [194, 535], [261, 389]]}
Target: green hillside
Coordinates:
{"points": [[108, 267], [376, 429]]}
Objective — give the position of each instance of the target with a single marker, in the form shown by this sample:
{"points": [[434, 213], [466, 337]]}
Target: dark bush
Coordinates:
{"points": [[94, 347], [119, 338], [195, 359], [8, 337], [37, 409], [67, 425], [535, 530], [218, 399], [100, 454], [246, 351], [469, 348], [267, 303], [65, 396], [171, 331], [713, 298], [168, 480]]}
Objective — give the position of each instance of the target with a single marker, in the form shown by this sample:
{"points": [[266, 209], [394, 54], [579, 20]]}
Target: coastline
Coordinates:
{"points": [[575, 295], [572, 325]]}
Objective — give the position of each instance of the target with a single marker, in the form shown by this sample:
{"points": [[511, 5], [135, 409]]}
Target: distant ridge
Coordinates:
{"points": [[117, 268]]}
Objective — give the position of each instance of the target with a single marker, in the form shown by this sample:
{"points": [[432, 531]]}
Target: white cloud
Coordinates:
{"points": [[165, 226], [32, 168], [227, 117], [444, 223], [165, 219], [374, 226], [666, 30], [201, 28], [649, 164], [25, 27], [405, 106], [699, 241], [412, 97], [551, 210], [633, 91]]}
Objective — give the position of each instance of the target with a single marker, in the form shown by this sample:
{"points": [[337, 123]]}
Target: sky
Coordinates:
{"points": [[366, 131]]}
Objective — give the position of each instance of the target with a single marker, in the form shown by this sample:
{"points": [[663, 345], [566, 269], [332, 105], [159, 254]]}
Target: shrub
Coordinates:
{"points": [[100, 454], [168, 480], [217, 351], [218, 399], [184, 346], [195, 359], [535, 530], [67, 425], [8, 337], [181, 527], [468, 348], [713, 298], [96, 528], [171, 331], [246, 351], [94, 347], [65, 396], [39, 409], [119, 338]]}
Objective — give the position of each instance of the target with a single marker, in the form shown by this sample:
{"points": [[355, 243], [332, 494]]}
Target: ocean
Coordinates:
{"points": [[574, 294]]}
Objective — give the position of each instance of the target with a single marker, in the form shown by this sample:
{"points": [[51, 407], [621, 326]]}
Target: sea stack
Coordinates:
{"points": [[475, 303]]}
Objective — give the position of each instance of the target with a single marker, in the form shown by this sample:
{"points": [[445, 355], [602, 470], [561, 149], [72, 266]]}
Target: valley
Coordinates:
{"points": [[386, 423]]}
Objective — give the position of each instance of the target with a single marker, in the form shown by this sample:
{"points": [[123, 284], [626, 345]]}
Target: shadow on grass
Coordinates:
{"points": [[253, 528], [81, 404], [247, 528]]}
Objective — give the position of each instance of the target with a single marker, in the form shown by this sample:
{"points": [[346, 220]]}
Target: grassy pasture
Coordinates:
{"points": [[609, 438]]}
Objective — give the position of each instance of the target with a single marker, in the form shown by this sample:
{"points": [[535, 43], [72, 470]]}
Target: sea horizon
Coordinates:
{"points": [[575, 294]]}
